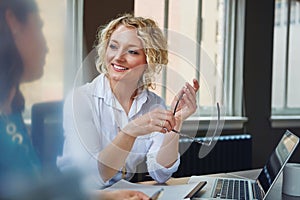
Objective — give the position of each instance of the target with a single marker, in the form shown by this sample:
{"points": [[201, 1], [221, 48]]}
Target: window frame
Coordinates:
{"points": [[285, 117], [233, 62]]}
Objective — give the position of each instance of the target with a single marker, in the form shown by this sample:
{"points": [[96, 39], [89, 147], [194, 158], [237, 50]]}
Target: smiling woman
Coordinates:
{"points": [[123, 123], [126, 57]]}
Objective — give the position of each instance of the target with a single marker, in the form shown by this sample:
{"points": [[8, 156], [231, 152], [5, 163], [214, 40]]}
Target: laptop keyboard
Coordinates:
{"points": [[231, 189]]}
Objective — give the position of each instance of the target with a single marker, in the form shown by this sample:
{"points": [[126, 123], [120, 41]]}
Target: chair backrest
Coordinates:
{"points": [[47, 132]]}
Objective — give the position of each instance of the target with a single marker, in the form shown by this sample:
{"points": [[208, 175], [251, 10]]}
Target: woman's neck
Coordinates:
{"points": [[6, 107], [125, 94]]}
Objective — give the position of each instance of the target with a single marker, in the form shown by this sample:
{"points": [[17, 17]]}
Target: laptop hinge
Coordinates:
{"points": [[261, 189]]}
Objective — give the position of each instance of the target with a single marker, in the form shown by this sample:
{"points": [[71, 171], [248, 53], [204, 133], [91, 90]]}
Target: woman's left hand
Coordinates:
{"points": [[187, 104]]}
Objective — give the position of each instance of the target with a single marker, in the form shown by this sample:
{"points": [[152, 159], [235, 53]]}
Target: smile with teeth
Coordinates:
{"points": [[117, 67]]}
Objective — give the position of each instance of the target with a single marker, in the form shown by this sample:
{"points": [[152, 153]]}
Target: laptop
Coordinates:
{"points": [[239, 188]]}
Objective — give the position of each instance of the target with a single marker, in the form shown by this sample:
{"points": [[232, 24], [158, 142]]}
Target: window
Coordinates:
{"points": [[201, 45], [286, 61], [62, 29]]}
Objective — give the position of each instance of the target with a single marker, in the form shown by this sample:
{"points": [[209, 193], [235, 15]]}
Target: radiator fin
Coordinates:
{"points": [[230, 153]]}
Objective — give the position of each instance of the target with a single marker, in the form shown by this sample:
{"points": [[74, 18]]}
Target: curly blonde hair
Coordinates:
{"points": [[153, 40]]}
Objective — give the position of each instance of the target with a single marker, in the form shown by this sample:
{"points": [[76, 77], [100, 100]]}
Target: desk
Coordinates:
{"points": [[275, 193]]}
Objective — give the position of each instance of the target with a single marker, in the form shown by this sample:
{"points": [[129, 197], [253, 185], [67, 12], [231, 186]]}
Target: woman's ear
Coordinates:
{"points": [[12, 22]]}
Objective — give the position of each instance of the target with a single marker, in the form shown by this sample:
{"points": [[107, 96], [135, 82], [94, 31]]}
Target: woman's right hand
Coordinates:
{"points": [[157, 120], [119, 195]]}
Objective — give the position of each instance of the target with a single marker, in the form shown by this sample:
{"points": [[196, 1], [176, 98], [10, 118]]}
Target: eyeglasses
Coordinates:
{"points": [[206, 143]]}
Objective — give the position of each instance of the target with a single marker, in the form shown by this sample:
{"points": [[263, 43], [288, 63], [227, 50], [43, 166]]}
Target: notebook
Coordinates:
{"points": [[238, 188]]}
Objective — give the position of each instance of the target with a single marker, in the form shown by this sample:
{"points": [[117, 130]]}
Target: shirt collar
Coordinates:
{"points": [[101, 89]]}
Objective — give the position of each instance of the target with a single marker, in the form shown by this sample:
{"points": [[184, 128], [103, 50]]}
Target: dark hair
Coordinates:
{"points": [[11, 65]]}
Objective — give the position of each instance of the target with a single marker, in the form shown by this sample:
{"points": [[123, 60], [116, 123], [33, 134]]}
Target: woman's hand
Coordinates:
{"points": [[187, 104], [157, 120], [119, 195], [161, 120]]}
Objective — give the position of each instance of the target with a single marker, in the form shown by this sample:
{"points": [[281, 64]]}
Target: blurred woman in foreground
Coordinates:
{"points": [[23, 51]]}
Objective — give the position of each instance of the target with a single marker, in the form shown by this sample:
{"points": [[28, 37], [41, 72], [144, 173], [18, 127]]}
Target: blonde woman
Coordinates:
{"points": [[113, 123]]}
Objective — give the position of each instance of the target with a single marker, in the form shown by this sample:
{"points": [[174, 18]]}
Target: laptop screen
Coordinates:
{"points": [[277, 160]]}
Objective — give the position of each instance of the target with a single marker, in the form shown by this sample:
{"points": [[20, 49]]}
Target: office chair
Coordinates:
{"points": [[47, 132]]}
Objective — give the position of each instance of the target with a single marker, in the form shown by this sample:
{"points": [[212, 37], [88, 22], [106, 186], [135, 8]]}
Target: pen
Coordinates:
{"points": [[175, 108], [157, 194]]}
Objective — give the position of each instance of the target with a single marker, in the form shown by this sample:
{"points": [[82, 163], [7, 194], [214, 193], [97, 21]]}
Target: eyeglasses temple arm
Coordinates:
{"points": [[215, 132]]}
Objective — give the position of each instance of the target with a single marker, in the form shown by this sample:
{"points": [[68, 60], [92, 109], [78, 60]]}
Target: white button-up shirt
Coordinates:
{"points": [[92, 117]]}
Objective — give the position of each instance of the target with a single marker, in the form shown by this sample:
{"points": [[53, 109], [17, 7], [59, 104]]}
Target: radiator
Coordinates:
{"points": [[230, 153]]}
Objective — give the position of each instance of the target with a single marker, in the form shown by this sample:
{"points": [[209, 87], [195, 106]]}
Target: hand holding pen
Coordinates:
{"points": [[184, 103], [162, 120], [157, 194], [209, 142]]}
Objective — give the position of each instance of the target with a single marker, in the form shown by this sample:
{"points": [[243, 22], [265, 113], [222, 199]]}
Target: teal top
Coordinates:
{"points": [[18, 157]]}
